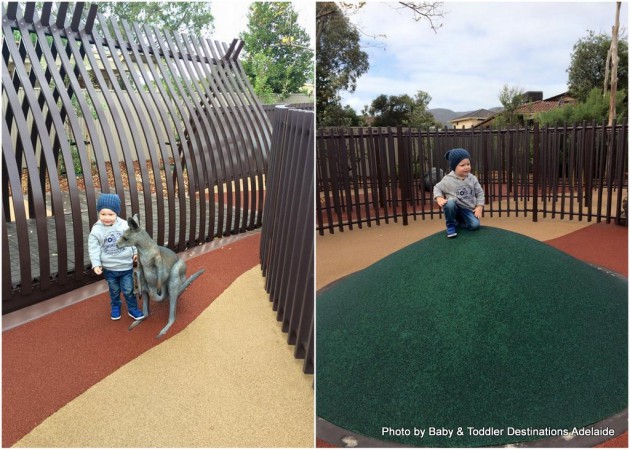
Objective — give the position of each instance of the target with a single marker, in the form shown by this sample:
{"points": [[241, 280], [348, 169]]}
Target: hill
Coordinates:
{"points": [[443, 115]]}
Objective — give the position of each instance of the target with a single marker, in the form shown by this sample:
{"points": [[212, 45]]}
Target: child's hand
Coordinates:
{"points": [[135, 257], [441, 201], [98, 270], [478, 211]]}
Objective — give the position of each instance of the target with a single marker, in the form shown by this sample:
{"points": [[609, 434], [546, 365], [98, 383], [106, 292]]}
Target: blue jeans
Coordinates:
{"points": [[121, 281], [455, 214]]}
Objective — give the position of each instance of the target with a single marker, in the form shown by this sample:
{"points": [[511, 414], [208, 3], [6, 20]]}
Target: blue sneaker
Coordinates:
{"points": [[451, 232], [136, 314], [115, 312]]}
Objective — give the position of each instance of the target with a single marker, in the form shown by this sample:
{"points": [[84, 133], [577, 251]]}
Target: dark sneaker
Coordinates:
{"points": [[451, 232], [115, 312], [136, 314]]}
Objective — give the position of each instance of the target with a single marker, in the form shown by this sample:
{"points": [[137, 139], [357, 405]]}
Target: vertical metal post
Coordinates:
{"points": [[536, 169], [403, 173]]}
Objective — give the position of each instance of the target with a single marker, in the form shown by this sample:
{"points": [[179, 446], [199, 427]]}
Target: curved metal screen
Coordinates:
{"points": [[167, 121]]}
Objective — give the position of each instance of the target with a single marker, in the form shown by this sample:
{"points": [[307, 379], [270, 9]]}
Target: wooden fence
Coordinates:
{"points": [[370, 175], [167, 121], [287, 244]]}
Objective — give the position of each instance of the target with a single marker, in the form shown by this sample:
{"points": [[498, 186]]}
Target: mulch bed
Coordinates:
{"points": [[111, 180]]}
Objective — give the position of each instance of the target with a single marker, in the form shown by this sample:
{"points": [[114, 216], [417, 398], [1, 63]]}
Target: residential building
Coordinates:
{"points": [[527, 111], [471, 119]]}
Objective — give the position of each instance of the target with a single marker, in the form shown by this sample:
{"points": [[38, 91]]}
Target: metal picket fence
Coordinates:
{"points": [[167, 121], [287, 243], [374, 175]]}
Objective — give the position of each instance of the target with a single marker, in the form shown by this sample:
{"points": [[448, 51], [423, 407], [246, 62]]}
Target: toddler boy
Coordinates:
{"points": [[459, 193], [116, 264]]}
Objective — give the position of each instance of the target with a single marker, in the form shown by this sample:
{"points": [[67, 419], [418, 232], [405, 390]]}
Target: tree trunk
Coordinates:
{"points": [[612, 113], [607, 71]]}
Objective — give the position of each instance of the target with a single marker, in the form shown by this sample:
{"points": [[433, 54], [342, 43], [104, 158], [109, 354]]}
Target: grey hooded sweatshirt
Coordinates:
{"points": [[103, 249], [467, 192]]}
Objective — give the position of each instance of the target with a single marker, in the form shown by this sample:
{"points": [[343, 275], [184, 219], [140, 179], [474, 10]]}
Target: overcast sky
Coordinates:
{"points": [[480, 47], [230, 18]]}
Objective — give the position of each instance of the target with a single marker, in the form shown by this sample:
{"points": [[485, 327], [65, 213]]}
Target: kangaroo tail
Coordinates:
{"points": [[190, 280]]}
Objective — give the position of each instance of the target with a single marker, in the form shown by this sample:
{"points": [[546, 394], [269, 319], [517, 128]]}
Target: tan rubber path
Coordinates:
{"points": [[343, 253], [227, 380], [223, 377]]}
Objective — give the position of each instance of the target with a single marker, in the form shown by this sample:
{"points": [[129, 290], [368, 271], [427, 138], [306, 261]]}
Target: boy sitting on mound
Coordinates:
{"points": [[459, 193]]}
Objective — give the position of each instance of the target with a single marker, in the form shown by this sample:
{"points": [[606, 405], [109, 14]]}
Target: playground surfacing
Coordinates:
{"points": [[223, 376], [600, 244]]}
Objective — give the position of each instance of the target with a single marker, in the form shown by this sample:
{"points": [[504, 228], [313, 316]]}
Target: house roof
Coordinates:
{"points": [[565, 97], [545, 105], [539, 106], [479, 114], [536, 107]]}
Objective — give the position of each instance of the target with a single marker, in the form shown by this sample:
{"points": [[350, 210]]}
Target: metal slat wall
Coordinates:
{"points": [[287, 242], [167, 121], [575, 172]]}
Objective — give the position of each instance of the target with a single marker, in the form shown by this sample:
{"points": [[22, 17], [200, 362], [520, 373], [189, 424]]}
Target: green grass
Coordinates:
{"points": [[491, 329]]}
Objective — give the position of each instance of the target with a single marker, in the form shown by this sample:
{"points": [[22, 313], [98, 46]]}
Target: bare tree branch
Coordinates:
{"points": [[425, 11], [428, 11]]}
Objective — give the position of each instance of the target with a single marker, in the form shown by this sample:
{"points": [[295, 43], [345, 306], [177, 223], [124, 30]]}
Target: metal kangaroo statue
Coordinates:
{"points": [[161, 273]]}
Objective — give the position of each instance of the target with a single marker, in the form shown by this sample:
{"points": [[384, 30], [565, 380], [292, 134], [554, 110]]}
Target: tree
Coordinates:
{"points": [[260, 66], [594, 108], [511, 98], [340, 60], [395, 110], [339, 116], [588, 64], [613, 58], [190, 17], [427, 11], [277, 56]]}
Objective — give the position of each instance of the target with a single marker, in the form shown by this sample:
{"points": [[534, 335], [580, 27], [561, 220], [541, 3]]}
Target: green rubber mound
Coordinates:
{"points": [[492, 334]]}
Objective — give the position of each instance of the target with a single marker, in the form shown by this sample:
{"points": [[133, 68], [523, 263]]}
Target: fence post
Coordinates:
{"points": [[381, 169], [403, 172], [620, 166], [528, 163], [535, 167]]}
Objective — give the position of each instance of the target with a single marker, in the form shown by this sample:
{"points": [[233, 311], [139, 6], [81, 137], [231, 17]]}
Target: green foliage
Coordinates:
{"points": [[277, 58], [511, 98], [260, 64], [190, 17], [336, 115], [588, 64], [340, 60], [76, 161], [402, 110], [594, 108]]}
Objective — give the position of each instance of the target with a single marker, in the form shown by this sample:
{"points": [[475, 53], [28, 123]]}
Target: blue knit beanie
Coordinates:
{"points": [[455, 156], [109, 201]]}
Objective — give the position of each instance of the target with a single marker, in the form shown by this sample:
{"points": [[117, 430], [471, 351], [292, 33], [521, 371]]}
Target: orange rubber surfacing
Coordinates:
{"points": [[50, 361]]}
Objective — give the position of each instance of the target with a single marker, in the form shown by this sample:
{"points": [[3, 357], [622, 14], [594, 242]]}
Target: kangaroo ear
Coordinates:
{"points": [[133, 222]]}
